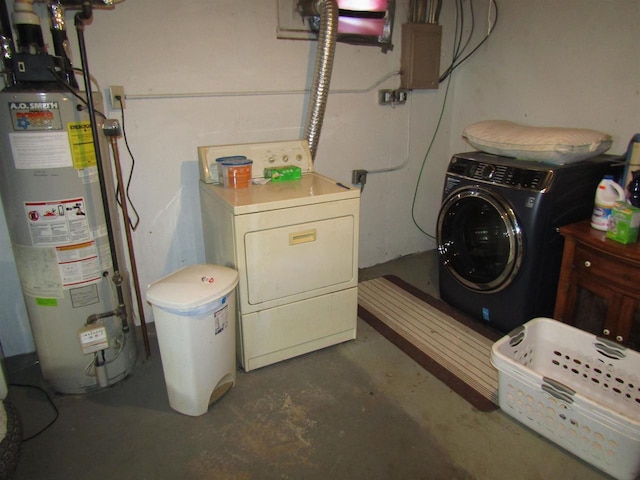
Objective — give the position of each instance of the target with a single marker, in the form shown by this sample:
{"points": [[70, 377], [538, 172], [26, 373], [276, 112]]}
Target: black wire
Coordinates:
{"points": [[459, 28], [457, 38], [495, 21], [460, 20], [471, 31], [456, 62], [55, 409], [135, 224], [62, 82]]}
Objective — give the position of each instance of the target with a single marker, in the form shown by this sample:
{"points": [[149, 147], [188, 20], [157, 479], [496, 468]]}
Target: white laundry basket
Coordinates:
{"points": [[195, 315], [576, 389]]}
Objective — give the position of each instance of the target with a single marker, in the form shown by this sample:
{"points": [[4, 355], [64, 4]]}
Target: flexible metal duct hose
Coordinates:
{"points": [[328, 12]]}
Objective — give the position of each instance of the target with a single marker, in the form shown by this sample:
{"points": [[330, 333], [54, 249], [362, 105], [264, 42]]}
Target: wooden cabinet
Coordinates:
{"points": [[599, 285]]}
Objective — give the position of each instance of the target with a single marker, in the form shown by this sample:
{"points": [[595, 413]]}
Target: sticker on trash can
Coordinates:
{"points": [[221, 319]]}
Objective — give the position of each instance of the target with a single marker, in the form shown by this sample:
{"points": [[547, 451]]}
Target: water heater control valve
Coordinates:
{"points": [[93, 338]]}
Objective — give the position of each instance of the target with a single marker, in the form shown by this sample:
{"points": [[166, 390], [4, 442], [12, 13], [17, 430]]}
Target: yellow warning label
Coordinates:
{"points": [[83, 152]]}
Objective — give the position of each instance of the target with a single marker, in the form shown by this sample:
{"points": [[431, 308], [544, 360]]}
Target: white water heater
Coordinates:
{"points": [[54, 209]]}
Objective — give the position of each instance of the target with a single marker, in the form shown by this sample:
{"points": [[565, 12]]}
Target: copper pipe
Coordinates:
{"points": [[132, 257]]}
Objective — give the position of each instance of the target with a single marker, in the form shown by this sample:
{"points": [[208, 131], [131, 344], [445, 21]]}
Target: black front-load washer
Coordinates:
{"points": [[499, 248]]}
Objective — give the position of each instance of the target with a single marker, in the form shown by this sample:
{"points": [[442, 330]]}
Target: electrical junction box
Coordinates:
{"points": [[93, 338], [34, 68], [420, 57]]}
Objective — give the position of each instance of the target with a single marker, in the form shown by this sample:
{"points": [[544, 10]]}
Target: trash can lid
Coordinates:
{"points": [[192, 286]]}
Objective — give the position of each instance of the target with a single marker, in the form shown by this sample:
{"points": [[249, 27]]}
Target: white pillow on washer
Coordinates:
{"points": [[545, 144]]}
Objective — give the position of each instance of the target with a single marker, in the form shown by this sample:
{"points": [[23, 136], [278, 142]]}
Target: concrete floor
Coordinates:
{"points": [[359, 410]]}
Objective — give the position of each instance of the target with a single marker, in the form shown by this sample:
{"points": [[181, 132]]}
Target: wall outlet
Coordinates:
{"points": [[385, 97], [393, 97], [359, 177], [116, 94]]}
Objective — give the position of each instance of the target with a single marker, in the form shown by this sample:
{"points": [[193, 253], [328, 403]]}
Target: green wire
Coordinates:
{"points": [[424, 161], [457, 40]]}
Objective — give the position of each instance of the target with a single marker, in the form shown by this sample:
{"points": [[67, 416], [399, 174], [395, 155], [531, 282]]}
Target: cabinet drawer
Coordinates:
{"points": [[591, 262]]}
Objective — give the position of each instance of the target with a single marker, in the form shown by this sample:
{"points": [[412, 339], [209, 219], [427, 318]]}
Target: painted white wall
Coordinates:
{"points": [[573, 63], [569, 64]]}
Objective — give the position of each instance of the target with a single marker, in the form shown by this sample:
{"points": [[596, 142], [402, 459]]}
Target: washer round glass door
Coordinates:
{"points": [[479, 239]]}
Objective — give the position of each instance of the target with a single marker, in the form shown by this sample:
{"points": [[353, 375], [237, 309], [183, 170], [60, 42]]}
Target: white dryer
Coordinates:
{"points": [[295, 246]]}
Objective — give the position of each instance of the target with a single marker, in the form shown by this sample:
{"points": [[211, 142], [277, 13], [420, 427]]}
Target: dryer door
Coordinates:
{"points": [[479, 239]]}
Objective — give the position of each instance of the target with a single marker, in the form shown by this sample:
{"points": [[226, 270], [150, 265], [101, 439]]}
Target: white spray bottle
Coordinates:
{"points": [[607, 194]]}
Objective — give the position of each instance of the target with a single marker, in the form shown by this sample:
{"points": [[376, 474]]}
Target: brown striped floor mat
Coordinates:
{"points": [[449, 345]]}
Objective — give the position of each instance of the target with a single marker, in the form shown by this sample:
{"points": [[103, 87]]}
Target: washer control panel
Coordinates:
{"points": [[502, 171], [263, 155]]}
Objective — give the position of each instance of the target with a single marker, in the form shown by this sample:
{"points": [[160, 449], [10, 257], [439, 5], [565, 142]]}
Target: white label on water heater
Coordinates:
{"points": [[57, 222], [33, 150], [48, 272], [38, 269], [79, 264]]}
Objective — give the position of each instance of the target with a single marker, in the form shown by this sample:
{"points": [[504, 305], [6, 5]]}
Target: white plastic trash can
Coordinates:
{"points": [[195, 315]]}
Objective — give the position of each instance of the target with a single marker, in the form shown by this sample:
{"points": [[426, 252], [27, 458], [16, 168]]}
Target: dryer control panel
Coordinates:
{"points": [[263, 155], [501, 171]]}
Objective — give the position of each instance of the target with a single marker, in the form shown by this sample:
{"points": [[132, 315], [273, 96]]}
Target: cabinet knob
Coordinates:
{"points": [[619, 338], [587, 263], [606, 331]]}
